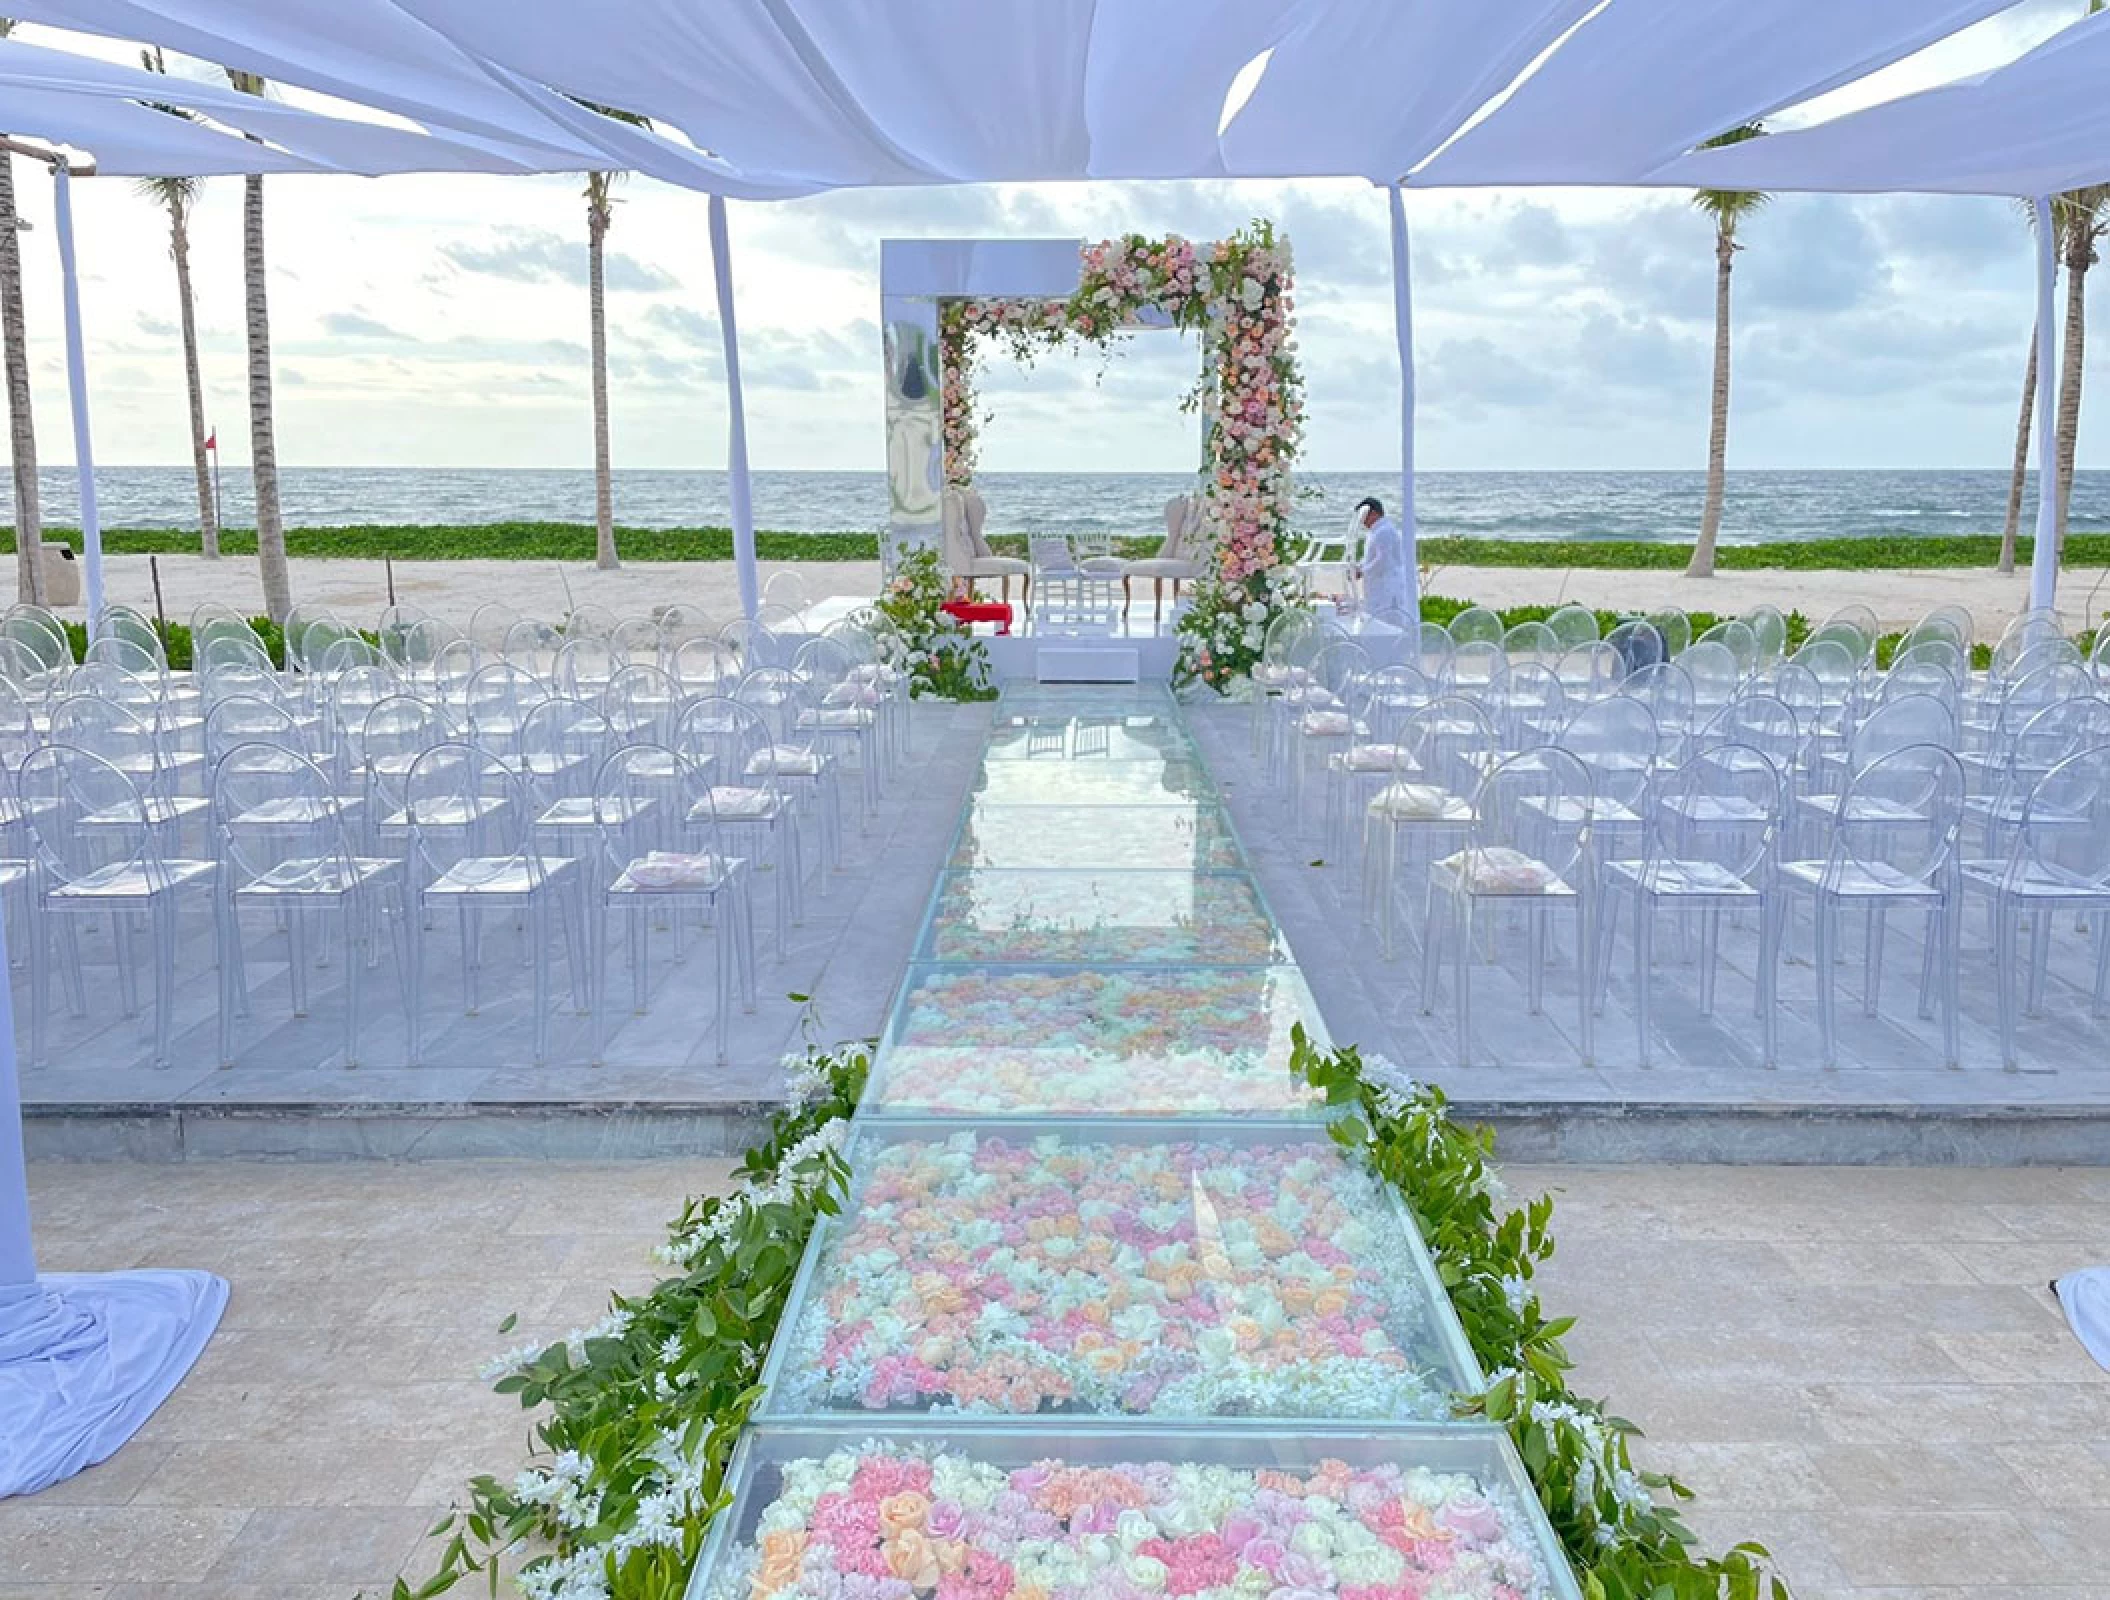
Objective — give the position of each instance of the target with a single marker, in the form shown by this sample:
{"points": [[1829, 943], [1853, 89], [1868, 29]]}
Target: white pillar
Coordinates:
{"points": [[739, 489], [1403, 317], [77, 389], [2044, 564]]}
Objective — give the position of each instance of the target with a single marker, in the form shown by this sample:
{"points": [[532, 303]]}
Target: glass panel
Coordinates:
{"points": [[1110, 1268], [1210, 918], [1094, 783], [1108, 738], [1169, 837], [1127, 1041], [1319, 1514]]}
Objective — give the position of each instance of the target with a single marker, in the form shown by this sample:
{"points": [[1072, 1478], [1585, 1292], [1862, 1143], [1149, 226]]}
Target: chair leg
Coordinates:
{"points": [[2004, 918], [1644, 959], [1825, 916]]}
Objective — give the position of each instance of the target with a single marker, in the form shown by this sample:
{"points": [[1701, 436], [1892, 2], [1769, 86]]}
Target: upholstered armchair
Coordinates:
{"points": [[1179, 558], [967, 552]]}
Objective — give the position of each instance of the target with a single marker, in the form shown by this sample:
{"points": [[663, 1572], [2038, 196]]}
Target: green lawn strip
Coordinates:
{"points": [[574, 541]]}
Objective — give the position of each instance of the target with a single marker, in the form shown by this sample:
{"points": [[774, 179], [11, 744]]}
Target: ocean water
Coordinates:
{"points": [[1500, 505]]}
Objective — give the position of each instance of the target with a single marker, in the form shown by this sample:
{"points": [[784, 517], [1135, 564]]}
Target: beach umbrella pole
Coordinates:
{"points": [[77, 391], [1403, 319], [2044, 560], [739, 490]]}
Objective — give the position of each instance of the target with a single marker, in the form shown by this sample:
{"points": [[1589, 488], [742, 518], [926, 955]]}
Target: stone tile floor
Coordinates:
{"points": [[1860, 1368]]}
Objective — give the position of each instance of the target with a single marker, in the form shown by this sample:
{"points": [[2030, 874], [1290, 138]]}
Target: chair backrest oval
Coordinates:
{"points": [[587, 664], [589, 622], [787, 588], [1478, 666], [640, 704], [244, 719], [40, 633], [1592, 671], [1639, 644], [1574, 625], [279, 819], [2065, 835], [1852, 622], [492, 622], [1833, 664], [1742, 643], [452, 782], [1532, 641], [561, 743], [1933, 651], [532, 645], [1949, 624], [110, 680], [2056, 731], [2047, 685], [86, 817], [1762, 722], [1715, 673], [226, 649], [639, 638], [1910, 719], [1538, 803], [1722, 809], [1673, 627], [1476, 625], [1770, 629], [1667, 692], [1898, 820], [730, 742], [645, 797], [353, 693], [342, 655], [133, 627], [1616, 738]]}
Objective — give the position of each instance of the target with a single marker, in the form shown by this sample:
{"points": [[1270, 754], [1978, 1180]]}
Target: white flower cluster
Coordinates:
{"points": [[795, 1178], [661, 1518], [1600, 1466]]}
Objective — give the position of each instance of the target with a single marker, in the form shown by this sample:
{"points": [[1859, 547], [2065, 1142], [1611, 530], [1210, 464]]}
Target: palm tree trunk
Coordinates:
{"points": [[2071, 360], [263, 448], [1702, 564], [603, 490], [29, 519], [2021, 467], [179, 247]]}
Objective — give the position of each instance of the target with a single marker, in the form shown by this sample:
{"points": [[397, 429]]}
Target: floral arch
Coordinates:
{"points": [[1236, 294]]}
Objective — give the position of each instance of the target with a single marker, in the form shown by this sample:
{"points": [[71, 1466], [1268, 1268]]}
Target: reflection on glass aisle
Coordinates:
{"points": [[1100, 1258]]}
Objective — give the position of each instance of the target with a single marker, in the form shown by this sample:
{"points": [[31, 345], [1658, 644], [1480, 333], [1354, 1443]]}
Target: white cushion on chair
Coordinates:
{"points": [[1497, 869], [1419, 801]]}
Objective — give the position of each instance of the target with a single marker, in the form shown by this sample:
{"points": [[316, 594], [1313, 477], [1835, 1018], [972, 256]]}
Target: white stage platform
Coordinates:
{"points": [[1134, 652]]}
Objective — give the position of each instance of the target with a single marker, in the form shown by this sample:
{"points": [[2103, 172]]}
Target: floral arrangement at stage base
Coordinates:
{"points": [[1259, 1277], [904, 1523], [1236, 293], [943, 659]]}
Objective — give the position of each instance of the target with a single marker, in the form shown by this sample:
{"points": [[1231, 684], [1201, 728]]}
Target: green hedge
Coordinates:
{"points": [[574, 541]]}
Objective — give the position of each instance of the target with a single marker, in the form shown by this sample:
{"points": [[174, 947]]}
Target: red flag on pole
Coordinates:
{"points": [[212, 440]]}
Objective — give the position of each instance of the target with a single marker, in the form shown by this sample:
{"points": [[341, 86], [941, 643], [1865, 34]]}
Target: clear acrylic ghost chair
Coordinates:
{"points": [[781, 620], [1673, 627], [1424, 803], [411, 643], [353, 693], [1951, 623], [639, 639], [786, 587], [1433, 652], [1591, 671], [1716, 676], [832, 723], [496, 702], [1860, 620], [660, 848], [754, 815], [243, 719], [492, 865], [1476, 625], [2059, 731], [590, 622], [832, 667], [562, 743], [586, 665], [1528, 702], [1667, 692], [1371, 758], [532, 645], [704, 665], [1285, 648], [127, 655], [490, 622], [98, 850], [1912, 719], [1616, 741], [2028, 631], [1574, 626], [1893, 845], [1770, 630], [877, 655], [170, 785], [640, 703], [2060, 861], [455, 665], [285, 847], [340, 657], [1521, 855], [1326, 716], [18, 726], [1943, 655], [1739, 640], [1533, 642], [1708, 849], [1479, 669], [42, 644], [397, 731], [1638, 644], [1762, 722], [800, 767]]}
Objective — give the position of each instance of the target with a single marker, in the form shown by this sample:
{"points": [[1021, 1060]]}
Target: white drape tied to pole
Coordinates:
{"points": [[1403, 317], [2044, 562], [77, 391], [739, 490], [84, 1360]]}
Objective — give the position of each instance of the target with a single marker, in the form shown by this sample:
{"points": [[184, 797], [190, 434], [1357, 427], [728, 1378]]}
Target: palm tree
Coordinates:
{"points": [[1727, 208], [14, 332], [176, 196], [600, 211], [263, 447], [2080, 217], [2020, 469]]}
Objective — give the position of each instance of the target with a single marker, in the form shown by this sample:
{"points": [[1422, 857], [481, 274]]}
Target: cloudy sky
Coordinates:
{"points": [[442, 321]]}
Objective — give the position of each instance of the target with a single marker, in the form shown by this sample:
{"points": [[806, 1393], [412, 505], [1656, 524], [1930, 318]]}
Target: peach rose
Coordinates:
{"points": [[781, 1554], [898, 1513], [911, 1557]]}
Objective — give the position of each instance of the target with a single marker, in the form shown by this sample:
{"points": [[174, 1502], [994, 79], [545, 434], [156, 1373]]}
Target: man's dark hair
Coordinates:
{"points": [[1371, 503]]}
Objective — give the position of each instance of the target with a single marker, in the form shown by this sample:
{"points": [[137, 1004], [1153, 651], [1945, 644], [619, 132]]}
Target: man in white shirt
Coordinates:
{"points": [[1387, 594]]}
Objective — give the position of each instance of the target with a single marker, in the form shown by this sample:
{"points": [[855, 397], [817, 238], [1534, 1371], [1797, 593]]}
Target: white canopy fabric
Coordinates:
{"points": [[792, 96], [2039, 125]]}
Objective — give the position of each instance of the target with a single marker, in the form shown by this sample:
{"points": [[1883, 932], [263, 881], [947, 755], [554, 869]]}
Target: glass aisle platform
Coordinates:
{"points": [[1106, 1313]]}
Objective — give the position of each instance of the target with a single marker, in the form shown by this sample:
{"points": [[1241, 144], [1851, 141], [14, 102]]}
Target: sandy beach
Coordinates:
{"points": [[453, 589]]}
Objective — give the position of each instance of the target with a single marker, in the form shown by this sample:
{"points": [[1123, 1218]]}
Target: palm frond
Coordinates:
{"points": [[1728, 207]]}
